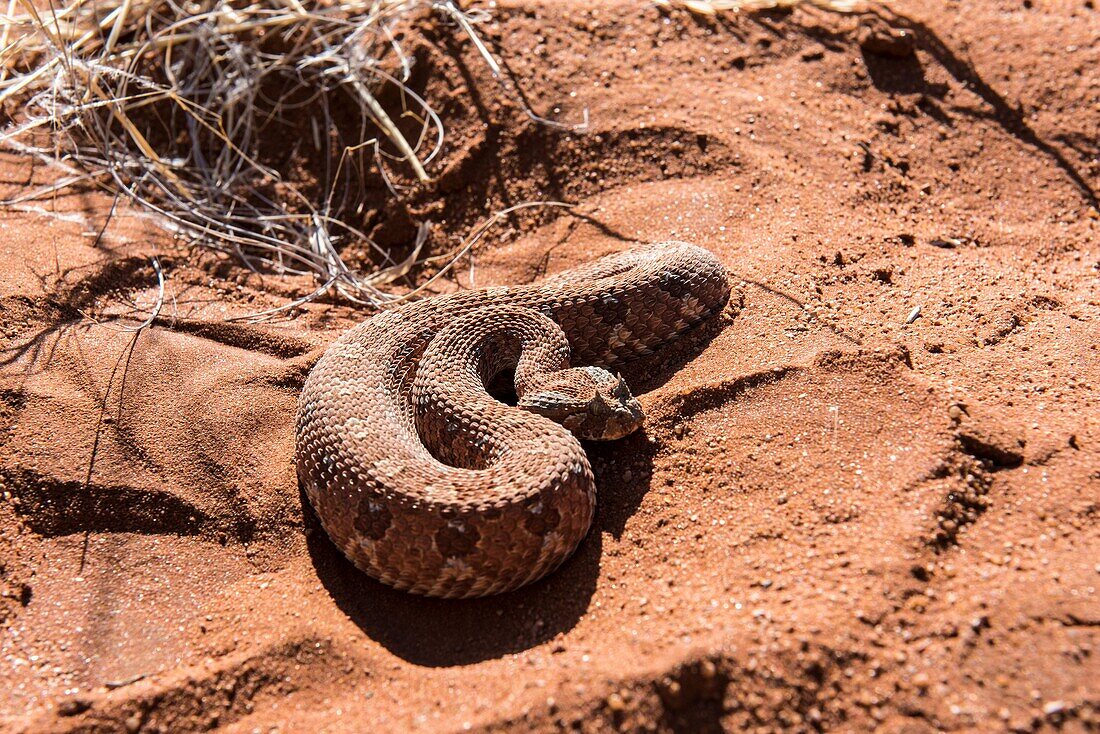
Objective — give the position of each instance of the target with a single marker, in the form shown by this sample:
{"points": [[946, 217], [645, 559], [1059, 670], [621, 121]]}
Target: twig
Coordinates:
{"points": [[128, 353], [113, 684]]}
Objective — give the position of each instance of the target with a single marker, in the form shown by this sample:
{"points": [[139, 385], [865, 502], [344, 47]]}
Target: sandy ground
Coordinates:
{"points": [[836, 519]]}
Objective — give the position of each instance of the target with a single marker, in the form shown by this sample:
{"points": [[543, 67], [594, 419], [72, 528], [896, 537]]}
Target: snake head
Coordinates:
{"points": [[591, 402]]}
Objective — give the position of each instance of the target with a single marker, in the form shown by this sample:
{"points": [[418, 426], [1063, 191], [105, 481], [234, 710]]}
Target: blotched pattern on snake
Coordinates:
{"points": [[428, 483]]}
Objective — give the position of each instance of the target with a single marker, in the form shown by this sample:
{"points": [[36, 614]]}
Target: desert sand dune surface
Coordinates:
{"points": [[843, 513]]}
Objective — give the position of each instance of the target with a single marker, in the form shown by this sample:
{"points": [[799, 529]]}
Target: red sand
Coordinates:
{"points": [[836, 520]]}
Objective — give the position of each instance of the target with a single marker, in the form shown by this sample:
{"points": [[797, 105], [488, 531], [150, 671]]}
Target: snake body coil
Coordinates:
{"points": [[429, 484]]}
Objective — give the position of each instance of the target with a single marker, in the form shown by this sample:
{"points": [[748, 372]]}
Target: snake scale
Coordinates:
{"points": [[428, 483]]}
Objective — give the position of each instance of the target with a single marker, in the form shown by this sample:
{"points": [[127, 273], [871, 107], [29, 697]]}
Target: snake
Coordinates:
{"points": [[433, 482]]}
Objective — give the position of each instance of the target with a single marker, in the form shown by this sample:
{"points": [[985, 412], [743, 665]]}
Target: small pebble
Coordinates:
{"points": [[1051, 708], [883, 40], [73, 706]]}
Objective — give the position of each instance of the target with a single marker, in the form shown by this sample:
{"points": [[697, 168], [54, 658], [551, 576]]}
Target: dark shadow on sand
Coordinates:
{"points": [[441, 632], [1010, 117]]}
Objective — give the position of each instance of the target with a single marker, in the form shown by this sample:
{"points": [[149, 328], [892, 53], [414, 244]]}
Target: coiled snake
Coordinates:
{"points": [[428, 483]]}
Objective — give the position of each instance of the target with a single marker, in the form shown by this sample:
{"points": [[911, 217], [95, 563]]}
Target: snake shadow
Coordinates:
{"points": [[443, 632], [440, 633]]}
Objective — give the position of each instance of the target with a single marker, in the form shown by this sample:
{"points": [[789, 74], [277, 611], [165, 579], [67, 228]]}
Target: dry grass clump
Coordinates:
{"points": [[207, 112], [267, 129]]}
